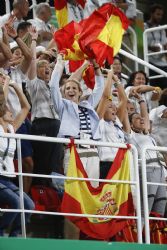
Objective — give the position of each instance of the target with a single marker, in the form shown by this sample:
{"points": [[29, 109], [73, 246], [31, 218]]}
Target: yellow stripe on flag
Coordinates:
{"points": [[112, 33], [62, 17]]}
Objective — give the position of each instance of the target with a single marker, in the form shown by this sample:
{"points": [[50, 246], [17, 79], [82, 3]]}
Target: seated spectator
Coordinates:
{"points": [[9, 192], [138, 83], [41, 23]]}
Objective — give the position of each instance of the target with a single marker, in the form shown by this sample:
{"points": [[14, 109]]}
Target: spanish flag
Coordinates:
{"points": [[108, 199], [102, 32], [61, 9], [97, 37]]}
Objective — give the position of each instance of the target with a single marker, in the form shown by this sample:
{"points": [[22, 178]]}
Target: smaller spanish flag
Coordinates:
{"points": [[108, 199]]}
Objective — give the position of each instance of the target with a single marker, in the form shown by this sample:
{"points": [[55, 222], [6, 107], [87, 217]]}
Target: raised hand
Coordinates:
{"points": [[33, 32]]}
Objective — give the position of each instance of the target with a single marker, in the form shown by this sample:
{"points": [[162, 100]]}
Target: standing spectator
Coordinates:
{"points": [[157, 41], [111, 123], [9, 192], [17, 70], [45, 121], [83, 120], [158, 117], [140, 137]]}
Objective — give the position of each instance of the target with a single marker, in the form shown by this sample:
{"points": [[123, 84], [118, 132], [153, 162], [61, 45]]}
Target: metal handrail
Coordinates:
{"points": [[18, 137]]}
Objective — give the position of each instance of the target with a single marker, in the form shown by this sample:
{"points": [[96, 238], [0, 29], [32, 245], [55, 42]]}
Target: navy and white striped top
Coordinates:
{"points": [[85, 125]]}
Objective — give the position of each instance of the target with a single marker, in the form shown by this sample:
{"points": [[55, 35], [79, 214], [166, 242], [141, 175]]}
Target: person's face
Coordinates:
{"points": [[17, 54], [110, 113], [138, 123], [44, 71], [72, 92], [130, 108], [47, 14], [157, 16], [117, 67], [139, 79]]}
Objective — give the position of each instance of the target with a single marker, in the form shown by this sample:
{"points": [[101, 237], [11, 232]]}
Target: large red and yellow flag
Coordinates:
{"points": [[97, 37], [108, 199], [102, 32]]}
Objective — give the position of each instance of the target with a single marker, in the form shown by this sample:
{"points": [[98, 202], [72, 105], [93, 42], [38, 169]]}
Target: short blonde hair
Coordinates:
{"points": [[71, 80]]}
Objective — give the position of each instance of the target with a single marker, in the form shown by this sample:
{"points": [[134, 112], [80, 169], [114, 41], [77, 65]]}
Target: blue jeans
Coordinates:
{"points": [[9, 195]]}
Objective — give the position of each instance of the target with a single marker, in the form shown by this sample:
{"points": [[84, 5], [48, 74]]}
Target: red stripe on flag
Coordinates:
{"points": [[60, 4]]}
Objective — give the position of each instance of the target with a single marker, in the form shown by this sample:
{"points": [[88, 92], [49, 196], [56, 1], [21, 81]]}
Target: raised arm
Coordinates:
{"points": [[24, 66], [25, 107], [106, 96], [122, 98], [54, 85], [144, 112], [32, 72]]}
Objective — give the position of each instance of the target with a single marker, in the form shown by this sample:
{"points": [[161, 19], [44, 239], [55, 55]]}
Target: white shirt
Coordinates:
{"points": [[141, 140], [8, 161], [159, 125], [110, 132]]}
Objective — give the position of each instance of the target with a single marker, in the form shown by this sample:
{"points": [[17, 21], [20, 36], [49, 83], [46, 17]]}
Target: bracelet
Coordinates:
{"points": [[34, 40], [110, 98], [140, 101], [14, 38], [116, 84]]}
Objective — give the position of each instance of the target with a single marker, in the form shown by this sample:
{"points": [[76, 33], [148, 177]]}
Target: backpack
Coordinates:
{"points": [[45, 198]]}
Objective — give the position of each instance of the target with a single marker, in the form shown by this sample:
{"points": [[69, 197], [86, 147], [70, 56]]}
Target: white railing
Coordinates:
{"points": [[142, 62], [18, 137], [145, 193], [131, 32], [146, 50]]}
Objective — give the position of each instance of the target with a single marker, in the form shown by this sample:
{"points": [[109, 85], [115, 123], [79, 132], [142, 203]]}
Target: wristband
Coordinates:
{"points": [[110, 98], [34, 40], [14, 38], [141, 101]]}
